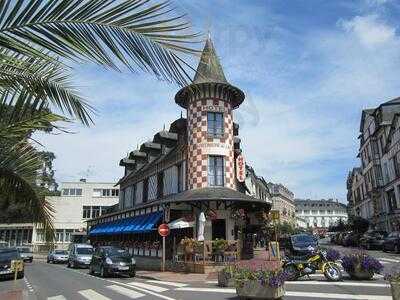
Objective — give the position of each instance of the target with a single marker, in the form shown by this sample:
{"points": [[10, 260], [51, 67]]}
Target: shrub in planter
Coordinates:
{"points": [[360, 265], [226, 277], [189, 245], [219, 246], [260, 284], [394, 278]]}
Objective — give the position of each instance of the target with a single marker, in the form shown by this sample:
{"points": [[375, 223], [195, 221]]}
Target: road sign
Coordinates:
{"points": [[163, 230], [275, 215]]}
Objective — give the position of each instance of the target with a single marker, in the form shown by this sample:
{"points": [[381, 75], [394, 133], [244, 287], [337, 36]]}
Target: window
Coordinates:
{"points": [[181, 175], [215, 171], [95, 211], [215, 124], [160, 184], [72, 192], [59, 235], [68, 234], [115, 192], [106, 193], [145, 190], [86, 212]]}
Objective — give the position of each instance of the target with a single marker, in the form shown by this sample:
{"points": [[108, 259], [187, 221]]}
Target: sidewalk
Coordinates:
{"points": [[176, 277]]}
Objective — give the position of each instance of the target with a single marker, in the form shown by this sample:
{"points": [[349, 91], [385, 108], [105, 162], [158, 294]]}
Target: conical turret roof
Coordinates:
{"points": [[209, 74], [209, 68]]}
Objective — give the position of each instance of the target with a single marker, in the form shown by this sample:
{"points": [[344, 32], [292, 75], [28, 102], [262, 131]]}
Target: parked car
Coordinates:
{"points": [[392, 242], [342, 237], [110, 260], [351, 239], [302, 244], [6, 256], [25, 253], [57, 256], [373, 239], [80, 255]]}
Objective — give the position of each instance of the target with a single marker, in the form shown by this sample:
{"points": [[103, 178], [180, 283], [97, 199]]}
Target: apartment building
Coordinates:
{"points": [[283, 201]]}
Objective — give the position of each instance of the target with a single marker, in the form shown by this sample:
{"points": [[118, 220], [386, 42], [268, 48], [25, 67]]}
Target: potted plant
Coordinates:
{"points": [[260, 284], [394, 279], [189, 245], [226, 277], [361, 266], [219, 246]]}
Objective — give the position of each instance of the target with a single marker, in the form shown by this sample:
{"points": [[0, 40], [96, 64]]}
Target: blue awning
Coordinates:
{"points": [[138, 224]]}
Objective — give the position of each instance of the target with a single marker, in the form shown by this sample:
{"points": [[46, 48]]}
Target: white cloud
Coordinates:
{"points": [[369, 30]]}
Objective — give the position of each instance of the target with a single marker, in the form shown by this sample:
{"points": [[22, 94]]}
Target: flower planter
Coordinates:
{"points": [[361, 274], [255, 290], [225, 280], [395, 288]]}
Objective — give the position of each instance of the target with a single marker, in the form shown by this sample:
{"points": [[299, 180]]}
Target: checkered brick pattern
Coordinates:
{"points": [[197, 153]]}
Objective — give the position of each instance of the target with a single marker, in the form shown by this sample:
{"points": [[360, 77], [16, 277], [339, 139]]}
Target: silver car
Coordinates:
{"points": [[80, 255], [25, 253], [57, 256]]}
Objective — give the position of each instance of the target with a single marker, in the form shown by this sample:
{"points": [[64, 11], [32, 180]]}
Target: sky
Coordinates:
{"points": [[307, 69]]}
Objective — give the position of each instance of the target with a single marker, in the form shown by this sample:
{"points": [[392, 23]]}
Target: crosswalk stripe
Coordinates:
{"points": [[142, 290], [389, 259], [336, 296], [126, 292], [59, 297], [211, 290], [150, 287], [169, 283], [313, 282], [92, 295]]}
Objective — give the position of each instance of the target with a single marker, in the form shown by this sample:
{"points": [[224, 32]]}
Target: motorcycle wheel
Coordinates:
{"points": [[292, 272], [332, 272]]}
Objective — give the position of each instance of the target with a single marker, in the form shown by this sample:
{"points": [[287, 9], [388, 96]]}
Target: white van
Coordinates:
{"points": [[79, 255]]}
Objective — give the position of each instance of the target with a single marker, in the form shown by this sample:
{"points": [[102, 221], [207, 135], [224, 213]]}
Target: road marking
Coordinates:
{"points": [[212, 282], [211, 290], [142, 290], [389, 260], [337, 296], [126, 292], [150, 287], [59, 297], [92, 295], [336, 283], [169, 283]]}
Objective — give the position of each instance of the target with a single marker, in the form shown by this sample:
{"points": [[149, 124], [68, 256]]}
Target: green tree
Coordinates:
{"points": [[38, 39]]}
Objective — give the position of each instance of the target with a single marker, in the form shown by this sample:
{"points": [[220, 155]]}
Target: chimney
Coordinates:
{"points": [[82, 180]]}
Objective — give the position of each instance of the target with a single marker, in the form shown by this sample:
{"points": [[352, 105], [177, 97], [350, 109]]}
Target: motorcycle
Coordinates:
{"points": [[317, 261]]}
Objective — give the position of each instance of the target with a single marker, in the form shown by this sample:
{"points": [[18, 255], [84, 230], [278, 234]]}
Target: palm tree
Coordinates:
{"points": [[38, 39]]}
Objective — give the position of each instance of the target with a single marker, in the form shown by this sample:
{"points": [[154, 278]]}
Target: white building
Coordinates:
{"points": [[79, 201], [321, 213]]}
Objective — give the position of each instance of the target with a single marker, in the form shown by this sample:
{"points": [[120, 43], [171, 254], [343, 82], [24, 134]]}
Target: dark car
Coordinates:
{"points": [[110, 260], [7, 255], [392, 242], [373, 239], [351, 239], [302, 244]]}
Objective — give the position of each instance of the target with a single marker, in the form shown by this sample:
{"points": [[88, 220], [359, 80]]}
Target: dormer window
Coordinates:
{"points": [[215, 124]]}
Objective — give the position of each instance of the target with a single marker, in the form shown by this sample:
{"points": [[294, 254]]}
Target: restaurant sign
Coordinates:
{"points": [[240, 168]]}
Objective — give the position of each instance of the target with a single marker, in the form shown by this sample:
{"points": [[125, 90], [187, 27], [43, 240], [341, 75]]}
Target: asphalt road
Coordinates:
{"points": [[56, 282]]}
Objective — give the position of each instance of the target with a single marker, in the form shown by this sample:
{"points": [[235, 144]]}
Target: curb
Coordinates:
{"points": [[147, 277]]}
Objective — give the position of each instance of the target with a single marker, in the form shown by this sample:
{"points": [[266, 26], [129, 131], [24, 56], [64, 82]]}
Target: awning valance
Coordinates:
{"points": [[138, 224]]}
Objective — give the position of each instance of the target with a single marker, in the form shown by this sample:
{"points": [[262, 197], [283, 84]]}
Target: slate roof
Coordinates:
{"points": [[209, 73], [209, 68]]}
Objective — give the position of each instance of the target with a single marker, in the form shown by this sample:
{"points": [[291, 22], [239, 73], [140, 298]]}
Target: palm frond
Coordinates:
{"points": [[19, 165], [43, 79], [140, 34]]}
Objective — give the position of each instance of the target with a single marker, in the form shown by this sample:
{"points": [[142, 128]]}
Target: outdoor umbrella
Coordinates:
{"points": [[200, 231]]}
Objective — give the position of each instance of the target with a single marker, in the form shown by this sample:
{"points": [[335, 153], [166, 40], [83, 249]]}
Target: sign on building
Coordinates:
{"points": [[240, 168], [274, 215]]}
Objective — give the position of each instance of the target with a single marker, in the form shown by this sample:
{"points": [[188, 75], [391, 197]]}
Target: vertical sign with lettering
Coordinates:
{"points": [[240, 168]]}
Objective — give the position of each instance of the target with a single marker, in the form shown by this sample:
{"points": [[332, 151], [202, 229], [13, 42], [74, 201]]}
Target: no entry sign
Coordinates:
{"points": [[163, 229]]}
